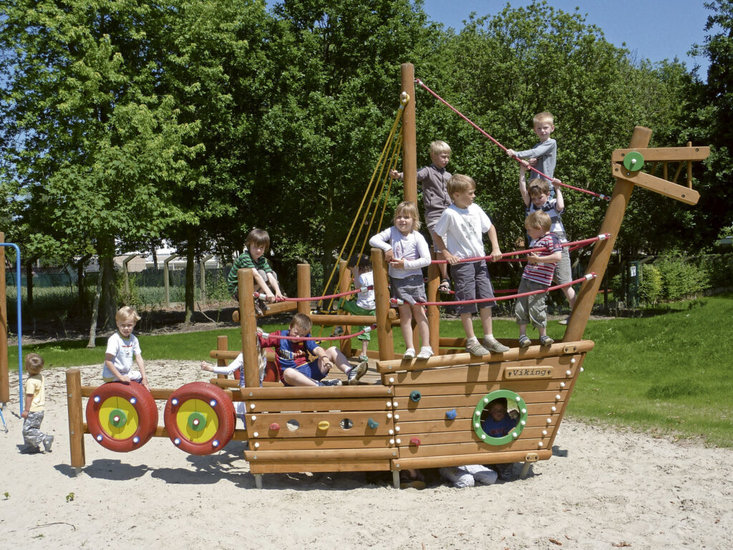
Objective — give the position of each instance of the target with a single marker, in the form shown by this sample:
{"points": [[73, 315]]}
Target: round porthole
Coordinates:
{"points": [[499, 417]]}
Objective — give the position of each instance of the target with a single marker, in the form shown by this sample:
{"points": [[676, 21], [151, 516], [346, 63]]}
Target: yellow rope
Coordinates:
{"points": [[389, 147]]}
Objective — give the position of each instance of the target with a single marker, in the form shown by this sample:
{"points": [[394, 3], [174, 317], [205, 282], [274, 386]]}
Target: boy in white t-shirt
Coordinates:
{"points": [[459, 235], [122, 348]]}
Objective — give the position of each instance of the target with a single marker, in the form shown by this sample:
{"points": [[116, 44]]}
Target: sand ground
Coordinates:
{"points": [[603, 488]]}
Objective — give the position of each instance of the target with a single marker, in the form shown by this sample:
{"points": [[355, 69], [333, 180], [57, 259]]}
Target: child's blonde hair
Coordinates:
{"points": [[439, 147], [125, 313], [460, 183], [538, 186], [259, 237], [302, 322], [409, 208], [33, 363], [538, 220], [544, 116]]}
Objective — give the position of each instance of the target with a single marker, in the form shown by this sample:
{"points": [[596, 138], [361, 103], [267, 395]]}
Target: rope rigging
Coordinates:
{"points": [[505, 149]]}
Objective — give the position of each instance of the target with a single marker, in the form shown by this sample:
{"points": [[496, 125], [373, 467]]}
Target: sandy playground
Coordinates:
{"points": [[602, 489]]}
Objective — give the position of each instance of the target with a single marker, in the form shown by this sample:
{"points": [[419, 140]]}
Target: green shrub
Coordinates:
{"points": [[650, 286], [681, 278], [719, 268]]}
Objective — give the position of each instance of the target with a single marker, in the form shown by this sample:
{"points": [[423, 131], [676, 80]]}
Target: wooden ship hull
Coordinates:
{"points": [[421, 413]]}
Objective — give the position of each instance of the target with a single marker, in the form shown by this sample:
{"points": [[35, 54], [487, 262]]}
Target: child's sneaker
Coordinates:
{"points": [[363, 358], [357, 372], [524, 341], [546, 340], [409, 354], [332, 382], [474, 348], [426, 352], [564, 321], [47, 442], [493, 345]]}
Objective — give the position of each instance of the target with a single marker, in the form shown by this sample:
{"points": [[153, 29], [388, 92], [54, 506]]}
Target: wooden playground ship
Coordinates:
{"points": [[421, 413]]}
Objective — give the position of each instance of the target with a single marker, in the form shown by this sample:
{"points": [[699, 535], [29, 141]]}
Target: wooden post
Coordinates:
{"points": [[76, 418], [245, 280], [345, 285], [126, 271], [409, 153], [381, 295], [602, 250], [4, 374], [304, 287], [433, 311]]}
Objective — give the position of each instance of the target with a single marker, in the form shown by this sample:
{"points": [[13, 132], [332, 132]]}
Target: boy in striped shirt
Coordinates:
{"points": [[537, 275]]}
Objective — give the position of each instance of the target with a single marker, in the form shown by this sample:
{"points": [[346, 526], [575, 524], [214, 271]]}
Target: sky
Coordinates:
{"points": [[651, 29]]}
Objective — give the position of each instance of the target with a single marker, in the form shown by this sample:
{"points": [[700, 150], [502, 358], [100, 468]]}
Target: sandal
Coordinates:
{"points": [[444, 286]]}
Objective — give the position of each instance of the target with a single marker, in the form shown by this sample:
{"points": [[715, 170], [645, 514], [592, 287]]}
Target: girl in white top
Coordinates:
{"points": [[407, 252]]}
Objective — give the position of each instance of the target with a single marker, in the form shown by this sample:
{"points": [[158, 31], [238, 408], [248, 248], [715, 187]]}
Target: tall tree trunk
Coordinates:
{"points": [[190, 281], [81, 283], [95, 312], [29, 284], [109, 292]]}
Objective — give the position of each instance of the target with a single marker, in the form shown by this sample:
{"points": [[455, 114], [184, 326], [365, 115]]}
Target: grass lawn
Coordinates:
{"points": [[667, 374]]}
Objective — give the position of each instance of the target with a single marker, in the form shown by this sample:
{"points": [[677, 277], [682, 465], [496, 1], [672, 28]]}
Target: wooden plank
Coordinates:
{"points": [[539, 416], [669, 154], [479, 389], [314, 443], [452, 401], [468, 447], [443, 425], [315, 392], [308, 424], [658, 185], [314, 405], [317, 455], [298, 467], [514, 354], [462, 460], [456, 436]]}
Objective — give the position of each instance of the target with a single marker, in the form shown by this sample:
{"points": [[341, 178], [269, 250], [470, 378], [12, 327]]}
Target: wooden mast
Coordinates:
{"points": [[602, 251]]}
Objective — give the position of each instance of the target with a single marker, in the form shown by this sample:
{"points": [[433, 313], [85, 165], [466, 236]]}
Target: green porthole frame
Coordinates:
{"points": [[512, 435]]}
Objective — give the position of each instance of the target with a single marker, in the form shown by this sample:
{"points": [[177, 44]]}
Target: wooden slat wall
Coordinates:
{"points": [[277, 446], [426, 437]]}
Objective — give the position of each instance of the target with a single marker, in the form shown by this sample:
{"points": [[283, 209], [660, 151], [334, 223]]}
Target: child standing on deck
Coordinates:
{"points": [[35, 403], [265, 279], [407, 252], [435, 197], [459, 235], [537, 275], [361, 271], [536, 197], [122, 348], [542, 156]]}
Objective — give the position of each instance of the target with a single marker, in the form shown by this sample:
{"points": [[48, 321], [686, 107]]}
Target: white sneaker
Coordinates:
{"points": [[409, 354], [357, 372], [426, 352]]}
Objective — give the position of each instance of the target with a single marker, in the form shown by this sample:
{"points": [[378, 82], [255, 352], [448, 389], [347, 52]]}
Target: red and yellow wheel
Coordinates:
{"points": [[122, 417], [199, 418]]}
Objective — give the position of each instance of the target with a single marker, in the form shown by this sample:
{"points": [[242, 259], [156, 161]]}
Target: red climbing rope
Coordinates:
{"points": [[589, 276], [317, 298], [505, 149], [506, 255], [318, 338]]}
